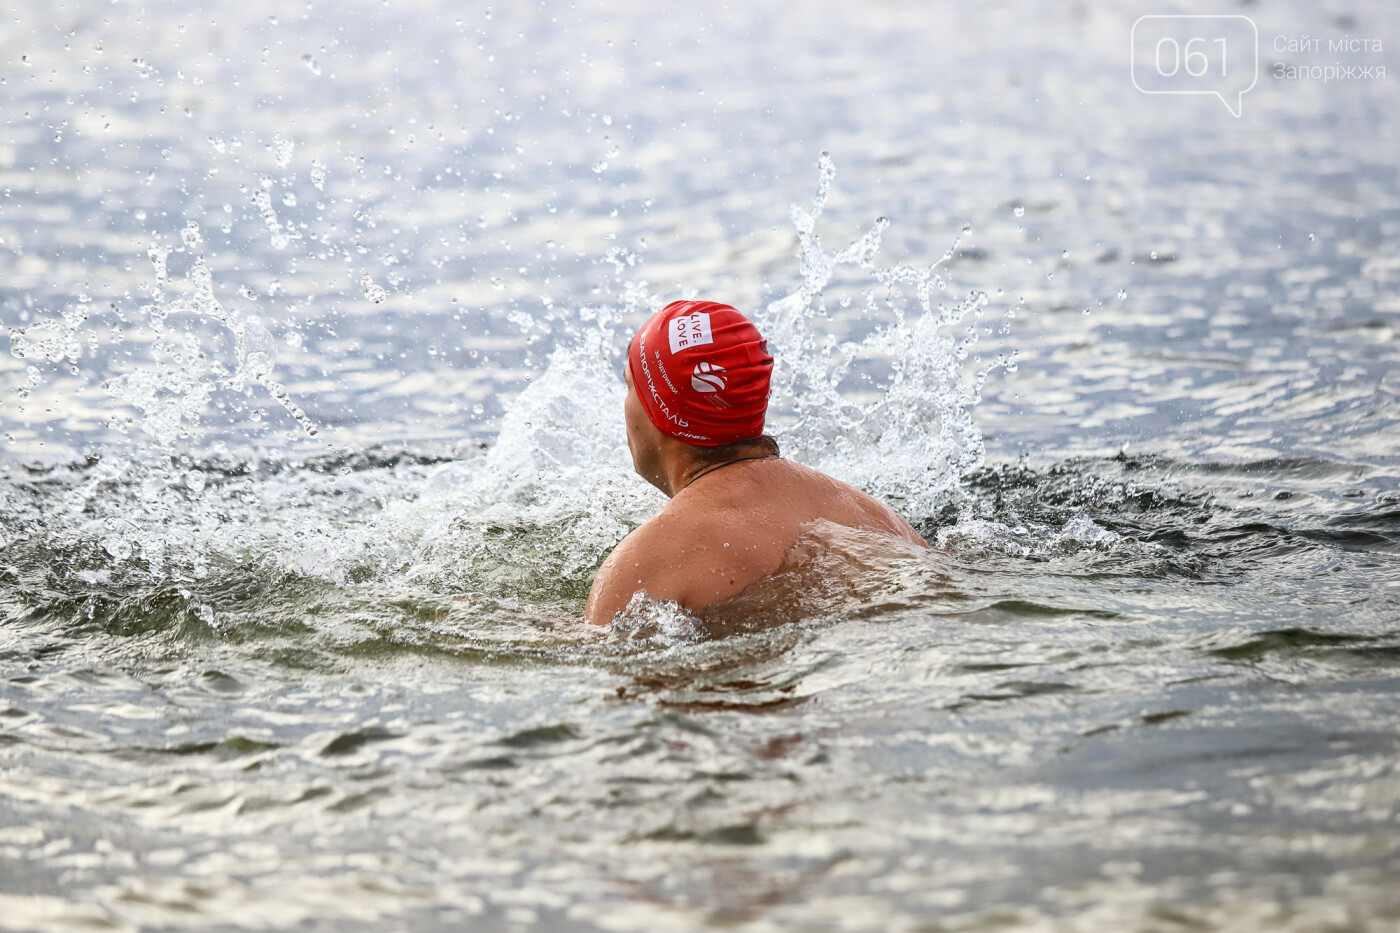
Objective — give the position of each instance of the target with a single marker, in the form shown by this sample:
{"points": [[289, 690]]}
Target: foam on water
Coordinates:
{"points": [[1029, 539]]}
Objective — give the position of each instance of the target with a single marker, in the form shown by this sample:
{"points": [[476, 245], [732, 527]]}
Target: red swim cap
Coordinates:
{"points": [[701, 370]]}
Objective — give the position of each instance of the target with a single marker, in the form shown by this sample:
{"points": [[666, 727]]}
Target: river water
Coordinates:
{"points": [[313, 442]]}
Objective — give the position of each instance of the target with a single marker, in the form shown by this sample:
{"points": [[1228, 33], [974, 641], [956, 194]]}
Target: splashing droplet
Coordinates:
{"points": [[282, 150], [373, 292], [191, 235]]}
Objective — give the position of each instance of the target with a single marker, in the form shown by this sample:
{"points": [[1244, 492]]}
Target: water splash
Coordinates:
{"points": [[262, 200], [282, 150], [533, 515], [1028, 539], [655, 623], [915, 440], [556, 487], [173, 391], [372, 292]]}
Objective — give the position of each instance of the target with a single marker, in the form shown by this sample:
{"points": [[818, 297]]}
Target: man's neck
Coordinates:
{"points": [[687, 468]]}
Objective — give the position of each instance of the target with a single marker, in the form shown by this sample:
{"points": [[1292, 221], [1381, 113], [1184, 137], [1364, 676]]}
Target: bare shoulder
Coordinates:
{"points": [[845, 504], [693, 551], [647, 559], [713, 540], [623, 573]]}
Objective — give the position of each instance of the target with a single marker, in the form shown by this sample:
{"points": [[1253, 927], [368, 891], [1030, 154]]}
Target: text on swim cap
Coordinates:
{"points": [[656, 396], [691, 330]]}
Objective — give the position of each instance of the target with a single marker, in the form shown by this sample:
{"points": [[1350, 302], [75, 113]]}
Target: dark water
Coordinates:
{"points": [[299, 505]]}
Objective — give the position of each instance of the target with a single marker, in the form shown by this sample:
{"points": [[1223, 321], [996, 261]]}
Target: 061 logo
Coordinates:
{"points": [[1180, 54]]}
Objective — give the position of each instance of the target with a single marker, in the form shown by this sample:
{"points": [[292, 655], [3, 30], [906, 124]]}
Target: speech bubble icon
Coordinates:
{"points": [[1183, 54]]}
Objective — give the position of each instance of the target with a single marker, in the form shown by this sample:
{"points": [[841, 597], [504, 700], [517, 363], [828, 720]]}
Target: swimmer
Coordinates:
{"points": [[697, 395]]}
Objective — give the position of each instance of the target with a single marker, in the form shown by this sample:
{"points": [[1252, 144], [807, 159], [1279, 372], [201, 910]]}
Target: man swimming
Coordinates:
{"points": [[697, 395]]}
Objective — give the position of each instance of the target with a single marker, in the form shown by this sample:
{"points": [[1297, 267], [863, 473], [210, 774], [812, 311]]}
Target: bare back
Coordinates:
{"points": [[728, 530]]}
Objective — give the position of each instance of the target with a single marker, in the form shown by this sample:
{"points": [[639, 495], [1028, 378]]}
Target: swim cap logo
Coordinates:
{"points": [[707, 378], [691, 330]]}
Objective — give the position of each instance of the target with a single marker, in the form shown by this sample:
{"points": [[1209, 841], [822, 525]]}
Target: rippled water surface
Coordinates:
{"points": [[312, 445]]}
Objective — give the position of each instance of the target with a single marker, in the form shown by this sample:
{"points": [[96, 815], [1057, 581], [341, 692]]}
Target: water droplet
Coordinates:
{"points": [[310, 61], [373, 292], [262, 199], [282, 151], [1019, 211], [257, 351]]}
